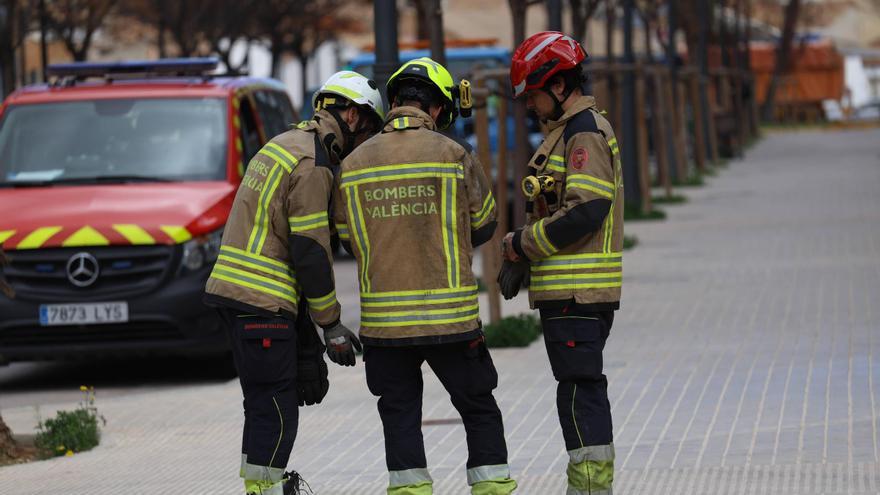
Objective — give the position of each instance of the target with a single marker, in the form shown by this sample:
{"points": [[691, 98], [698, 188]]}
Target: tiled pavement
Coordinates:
{"points": [[744, 361]]}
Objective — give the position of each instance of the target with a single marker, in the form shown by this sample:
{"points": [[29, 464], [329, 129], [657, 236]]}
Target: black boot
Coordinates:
{"points": [[295, 485]]}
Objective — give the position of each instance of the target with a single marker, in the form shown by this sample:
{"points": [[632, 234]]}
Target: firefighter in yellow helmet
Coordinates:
{"points": [[274, 276], [412, 205]]}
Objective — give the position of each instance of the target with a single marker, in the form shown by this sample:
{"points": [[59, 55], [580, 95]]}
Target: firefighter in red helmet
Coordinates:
{"points": [[569, 251]]}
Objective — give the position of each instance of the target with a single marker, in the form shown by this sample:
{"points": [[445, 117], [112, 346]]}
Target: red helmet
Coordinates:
{"points": [[539, 57]]}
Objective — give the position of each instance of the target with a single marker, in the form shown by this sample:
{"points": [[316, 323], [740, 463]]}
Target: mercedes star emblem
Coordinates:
{"points": [[82, 269]]}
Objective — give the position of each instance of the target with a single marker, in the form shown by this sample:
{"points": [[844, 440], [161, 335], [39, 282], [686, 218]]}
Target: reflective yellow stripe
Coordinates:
{"points": [[261, 259], [36, 238], [255, 265], [573, 276], [308, 222], [277, 159], [322, 303], [343, 232], [447, 207], [402, 171], [418, 292], [573, 281], [420, 317], [571, 266], [261, 218], [589, 187], [255, 282], [291, 160], [85, 236], [176, 232], [5, 234], [134, 234], [594, 180], [556, 163], [423, 302], [479, 218], [401, 123], [544, 244], [360, 235]]}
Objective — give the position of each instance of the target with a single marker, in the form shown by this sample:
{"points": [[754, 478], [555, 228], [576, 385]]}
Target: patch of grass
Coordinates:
{"points": [[70, 432], [695, 180], [634, 213], [630, 241], [669, 200], [513, 331]]}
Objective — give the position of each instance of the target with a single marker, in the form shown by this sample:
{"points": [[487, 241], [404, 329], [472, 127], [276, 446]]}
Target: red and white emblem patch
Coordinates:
{"points": [[579, 158]]}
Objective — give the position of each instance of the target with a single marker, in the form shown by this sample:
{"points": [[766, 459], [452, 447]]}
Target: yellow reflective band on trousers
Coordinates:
{"points": [[467, 294], [556, 163], [591, 470], [410, 482], [479, 219], [450, 231], [402, 171], [362, 242], [261, 218], [490, 480], [308, 222], [322, 303], [544, 245], [590, 183]]}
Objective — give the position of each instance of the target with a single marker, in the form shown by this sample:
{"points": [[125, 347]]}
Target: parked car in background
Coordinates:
{"points": [[115, 183]]}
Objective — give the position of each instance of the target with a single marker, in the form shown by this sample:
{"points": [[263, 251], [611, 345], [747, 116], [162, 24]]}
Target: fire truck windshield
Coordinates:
{"points": [[174, 139]]}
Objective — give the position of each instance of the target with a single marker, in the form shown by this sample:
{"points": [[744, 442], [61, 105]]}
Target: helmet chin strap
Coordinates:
{"points": [[348, 138], [558, 111]]}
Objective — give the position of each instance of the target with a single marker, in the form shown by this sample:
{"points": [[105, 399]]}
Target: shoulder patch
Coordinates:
{"points": [[584, 121]]}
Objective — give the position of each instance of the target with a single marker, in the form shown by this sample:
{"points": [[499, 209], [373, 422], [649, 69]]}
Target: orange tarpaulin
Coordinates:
{"points": [[816, 75]]}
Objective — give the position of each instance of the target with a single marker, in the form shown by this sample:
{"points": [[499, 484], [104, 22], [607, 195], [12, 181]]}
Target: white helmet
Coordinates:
{"points": [[355, 87]]}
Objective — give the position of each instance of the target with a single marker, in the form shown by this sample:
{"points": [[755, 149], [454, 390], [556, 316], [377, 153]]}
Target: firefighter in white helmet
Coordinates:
{"points": [[274, 276]]}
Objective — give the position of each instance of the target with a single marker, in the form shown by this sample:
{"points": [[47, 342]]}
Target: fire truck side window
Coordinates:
{"points": [[250, 137]]}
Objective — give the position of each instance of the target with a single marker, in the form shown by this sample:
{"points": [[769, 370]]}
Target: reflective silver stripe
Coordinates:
{"points": [[592, 453], [404, 171], [587, 181], [488, 473], [262, 473], [578, 261], [417, 298], [518, 89], [254, 281], [253, 259], [243, 464], [541, 46], [408, 477], [420, 317]]}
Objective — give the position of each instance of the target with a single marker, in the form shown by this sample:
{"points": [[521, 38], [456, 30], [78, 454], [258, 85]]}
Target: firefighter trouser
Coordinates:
{"points": [[466, 371], [575, 339], [264, 351]]}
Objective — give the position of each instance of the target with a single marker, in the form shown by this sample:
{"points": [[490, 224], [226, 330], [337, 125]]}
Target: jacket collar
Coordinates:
{"points": [[580, 104], [408, 118], [329, 133]]}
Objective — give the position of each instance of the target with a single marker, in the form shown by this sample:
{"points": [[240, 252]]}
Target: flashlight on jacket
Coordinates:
{"points": [[534, 185], [465, 102]]}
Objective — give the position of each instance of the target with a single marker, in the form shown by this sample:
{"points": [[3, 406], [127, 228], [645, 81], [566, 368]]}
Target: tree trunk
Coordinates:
{"points": [[521, 148], [8, 450], [783, 57], [610, 21]]}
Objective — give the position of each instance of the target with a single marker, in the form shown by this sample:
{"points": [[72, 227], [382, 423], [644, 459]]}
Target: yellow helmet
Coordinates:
{"points": [[426, 70]]}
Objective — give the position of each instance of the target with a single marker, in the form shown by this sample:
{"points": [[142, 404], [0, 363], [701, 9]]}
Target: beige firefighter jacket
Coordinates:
{"points": [[412, 202], [276, 245], [571, 256]]}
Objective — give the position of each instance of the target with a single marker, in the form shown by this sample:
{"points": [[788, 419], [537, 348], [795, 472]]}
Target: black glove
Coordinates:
{"points": [[339, 344], [512, 276], [311, 377]]}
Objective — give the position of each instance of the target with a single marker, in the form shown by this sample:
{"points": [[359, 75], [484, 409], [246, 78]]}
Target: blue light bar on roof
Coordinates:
{"points": [[166, 66]]}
